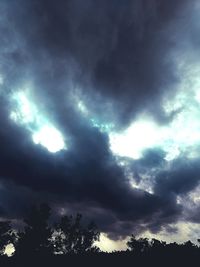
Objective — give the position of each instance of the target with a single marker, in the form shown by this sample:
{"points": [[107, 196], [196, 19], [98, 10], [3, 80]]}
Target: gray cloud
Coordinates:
{"points": [[118, 58]]}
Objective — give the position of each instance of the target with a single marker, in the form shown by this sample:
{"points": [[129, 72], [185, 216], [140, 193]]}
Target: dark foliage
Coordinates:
{"points": [[72, 237], [37, 234], [71, 242]]}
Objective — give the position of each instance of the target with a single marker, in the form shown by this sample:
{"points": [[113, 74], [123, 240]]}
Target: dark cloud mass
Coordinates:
{"points": [[118, 58]]}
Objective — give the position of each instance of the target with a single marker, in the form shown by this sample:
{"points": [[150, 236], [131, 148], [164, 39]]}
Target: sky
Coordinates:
{"points": [[99, 113]]}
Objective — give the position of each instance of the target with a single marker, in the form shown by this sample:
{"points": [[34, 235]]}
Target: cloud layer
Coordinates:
{"points": [[89, 69]]}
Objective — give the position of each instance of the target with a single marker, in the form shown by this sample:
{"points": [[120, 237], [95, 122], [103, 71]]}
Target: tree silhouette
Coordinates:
{"points": [[39, 244], [72, 237], [138, 245], [157, 244], [7, 235], [37, 234]]}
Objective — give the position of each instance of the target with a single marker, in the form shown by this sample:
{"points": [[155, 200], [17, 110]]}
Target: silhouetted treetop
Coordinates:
{"points": [[37, 234], [73, 237]]}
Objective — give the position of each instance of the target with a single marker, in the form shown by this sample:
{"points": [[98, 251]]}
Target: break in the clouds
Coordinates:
{"points": [[43, 132], [100, 106]]}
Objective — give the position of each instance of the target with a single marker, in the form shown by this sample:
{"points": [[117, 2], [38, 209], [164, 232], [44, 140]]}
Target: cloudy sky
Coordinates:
{"points": [[100, 113]]}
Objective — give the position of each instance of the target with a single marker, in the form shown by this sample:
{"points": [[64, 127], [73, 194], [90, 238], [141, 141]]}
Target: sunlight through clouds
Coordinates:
{"points": [[108, 245], [25, 112], [9, 250], [49, 137], [43, 132], [184, 231], [139, 136], [181, 135]]}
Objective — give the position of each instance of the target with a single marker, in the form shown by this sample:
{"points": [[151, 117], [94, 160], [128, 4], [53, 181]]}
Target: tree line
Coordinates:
{"points": [[71, 236]]}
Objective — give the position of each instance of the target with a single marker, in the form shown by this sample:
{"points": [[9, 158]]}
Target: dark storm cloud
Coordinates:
{"points": [[88, 175], [117, 53], [118, 56], [119, 47], [181, 178], [172, 182]]}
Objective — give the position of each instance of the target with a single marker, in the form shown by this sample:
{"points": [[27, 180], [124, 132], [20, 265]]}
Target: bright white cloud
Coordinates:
{"points": [[108, 245], [9, 250], [185, 231], [26, 113], [140, 135], [181, 135], [49, 137]]}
